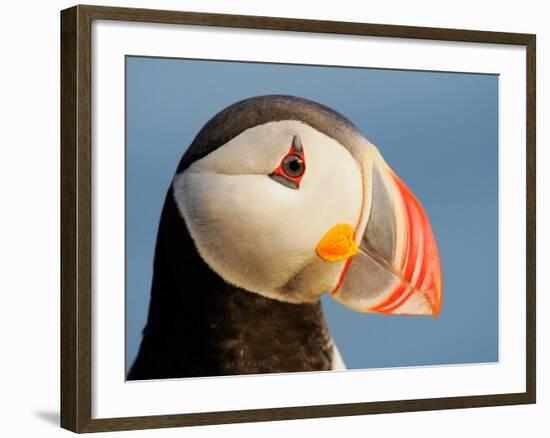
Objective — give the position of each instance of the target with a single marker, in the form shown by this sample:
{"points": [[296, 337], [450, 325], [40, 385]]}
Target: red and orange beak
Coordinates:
{"points": [[391, 257]]}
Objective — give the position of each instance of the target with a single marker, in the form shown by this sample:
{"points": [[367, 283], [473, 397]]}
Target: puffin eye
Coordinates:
{"points": [[292, 167]]}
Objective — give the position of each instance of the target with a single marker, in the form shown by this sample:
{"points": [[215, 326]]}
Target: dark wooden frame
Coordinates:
{"points": [[76, 323]]}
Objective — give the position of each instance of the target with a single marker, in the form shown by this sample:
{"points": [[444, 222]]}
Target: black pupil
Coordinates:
{"points": [[293, 166]]}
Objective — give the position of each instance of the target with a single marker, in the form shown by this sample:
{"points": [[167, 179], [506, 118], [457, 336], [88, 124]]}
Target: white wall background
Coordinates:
{"points": [[29, 218]]}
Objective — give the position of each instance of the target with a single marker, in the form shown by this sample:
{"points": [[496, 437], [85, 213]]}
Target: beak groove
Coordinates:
{"points": [[420, 261]]}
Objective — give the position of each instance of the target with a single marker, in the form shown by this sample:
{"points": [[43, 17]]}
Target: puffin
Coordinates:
{"points": [[277, 201]]}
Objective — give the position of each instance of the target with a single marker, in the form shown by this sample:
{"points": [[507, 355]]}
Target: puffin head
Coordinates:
{"points": [[285, 198]]}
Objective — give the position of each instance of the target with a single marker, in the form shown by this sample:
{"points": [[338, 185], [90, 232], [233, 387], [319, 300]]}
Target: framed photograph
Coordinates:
{"points": [[269, 218]]}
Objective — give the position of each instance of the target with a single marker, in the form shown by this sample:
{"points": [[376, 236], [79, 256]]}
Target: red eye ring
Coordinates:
{"points": [[292, 167]]}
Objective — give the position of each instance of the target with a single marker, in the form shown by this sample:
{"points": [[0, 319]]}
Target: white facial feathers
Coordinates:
{"points": [[259, 234]]}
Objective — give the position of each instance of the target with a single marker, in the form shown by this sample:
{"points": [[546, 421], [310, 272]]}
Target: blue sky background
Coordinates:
{"points": [[438, 131]]}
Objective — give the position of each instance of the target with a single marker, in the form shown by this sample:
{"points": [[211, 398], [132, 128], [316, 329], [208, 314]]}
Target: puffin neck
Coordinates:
{"points": [[198, 325]]}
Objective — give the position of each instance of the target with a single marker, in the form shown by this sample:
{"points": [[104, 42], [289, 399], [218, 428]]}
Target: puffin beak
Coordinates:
{"points": [[391, 258]]}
